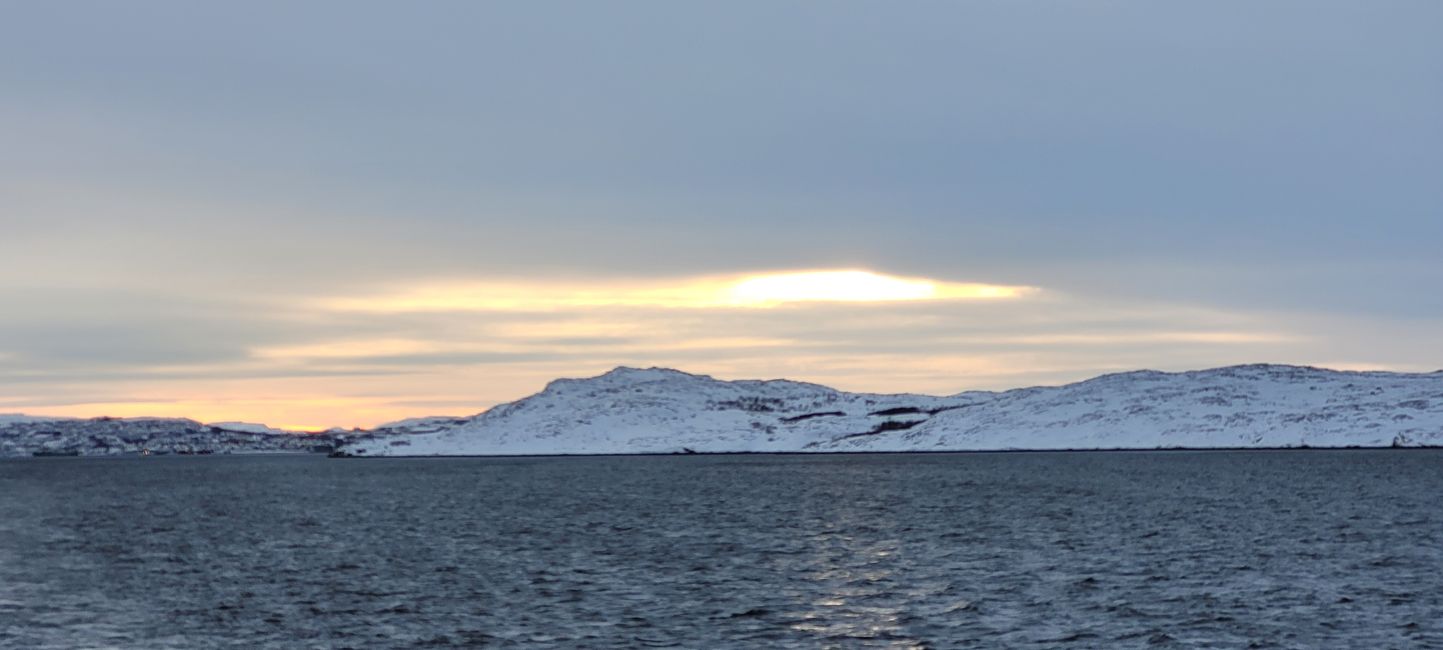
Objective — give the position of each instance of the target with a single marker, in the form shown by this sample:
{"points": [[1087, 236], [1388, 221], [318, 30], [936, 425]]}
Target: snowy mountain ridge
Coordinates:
{"points": [[659, 410]]}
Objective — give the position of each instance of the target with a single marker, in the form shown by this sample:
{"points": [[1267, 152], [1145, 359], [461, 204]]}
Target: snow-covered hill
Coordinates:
{"points": [[658, 410], [32, 435], [21, 418]]}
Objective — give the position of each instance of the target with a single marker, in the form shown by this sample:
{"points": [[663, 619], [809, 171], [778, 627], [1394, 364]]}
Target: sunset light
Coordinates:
{"points": [[720, 324], [854, 286], [757, 290]]}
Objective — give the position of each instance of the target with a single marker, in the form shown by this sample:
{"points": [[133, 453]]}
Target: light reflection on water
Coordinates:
{"points": [[1301, 550]]}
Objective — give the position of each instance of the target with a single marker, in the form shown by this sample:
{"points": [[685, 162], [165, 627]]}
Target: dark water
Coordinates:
{"points": [[1231, 549]]}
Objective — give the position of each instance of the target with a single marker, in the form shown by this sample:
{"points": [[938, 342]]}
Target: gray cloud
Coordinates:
{"points": [[183, 183]]}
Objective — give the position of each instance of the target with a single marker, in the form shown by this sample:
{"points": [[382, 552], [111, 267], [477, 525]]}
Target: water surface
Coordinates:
{"points": [[1299, 549]]}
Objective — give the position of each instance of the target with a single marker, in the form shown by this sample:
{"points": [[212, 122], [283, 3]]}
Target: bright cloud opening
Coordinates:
{"points": [[855, 286], [742, 291], [830, 286]]}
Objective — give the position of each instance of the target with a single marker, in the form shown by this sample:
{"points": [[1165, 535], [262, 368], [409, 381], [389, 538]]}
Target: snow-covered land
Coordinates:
{"points": [[658, 410], [431, 424], [21, 418], [32, 435]]}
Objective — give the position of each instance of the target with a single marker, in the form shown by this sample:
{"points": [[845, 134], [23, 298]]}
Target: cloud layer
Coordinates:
{"points": [[336, 213]]}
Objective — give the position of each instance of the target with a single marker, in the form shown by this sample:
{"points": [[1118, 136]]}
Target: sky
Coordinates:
{"points": [[343, 213]]}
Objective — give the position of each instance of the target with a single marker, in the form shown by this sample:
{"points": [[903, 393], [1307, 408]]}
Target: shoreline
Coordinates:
{"points": [[670, 454], [894, 453]]}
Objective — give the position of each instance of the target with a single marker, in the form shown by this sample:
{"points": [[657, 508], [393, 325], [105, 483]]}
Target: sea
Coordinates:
{"points": [[1175, 549]]}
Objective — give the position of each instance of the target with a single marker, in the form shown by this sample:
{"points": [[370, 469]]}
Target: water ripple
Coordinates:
{"points": [[1279, 550]]}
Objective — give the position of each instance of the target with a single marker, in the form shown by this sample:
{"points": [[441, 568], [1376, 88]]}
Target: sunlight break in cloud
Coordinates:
{"points": [[743, 291]]}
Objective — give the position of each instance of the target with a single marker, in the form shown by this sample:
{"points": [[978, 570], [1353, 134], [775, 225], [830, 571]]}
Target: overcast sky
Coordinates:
{"points": [[341, 213]]}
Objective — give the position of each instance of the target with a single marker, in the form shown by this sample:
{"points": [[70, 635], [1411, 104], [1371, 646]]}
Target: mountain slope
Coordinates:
{"points": [[105, 436], [658, 410], [631, 410]]}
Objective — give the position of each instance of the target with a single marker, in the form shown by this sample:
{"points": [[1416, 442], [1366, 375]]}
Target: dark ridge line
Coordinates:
{"points": [[898, 410], [808, 416], [883, 427]]}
